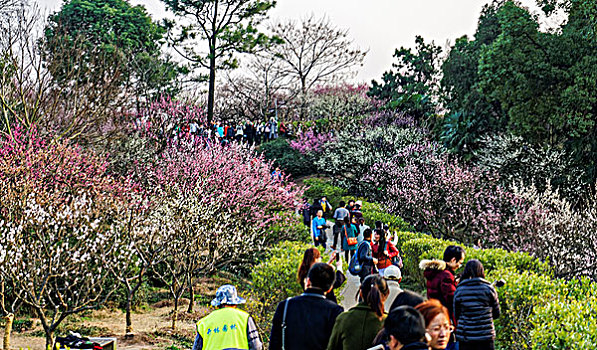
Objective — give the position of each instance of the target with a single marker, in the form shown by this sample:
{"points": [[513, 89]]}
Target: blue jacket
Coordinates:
{"points": [[318, 222]]}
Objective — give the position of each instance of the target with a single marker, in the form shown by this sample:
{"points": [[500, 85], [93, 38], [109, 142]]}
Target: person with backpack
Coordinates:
{"points": [[363, 263], [357, 328], [306, 321]]}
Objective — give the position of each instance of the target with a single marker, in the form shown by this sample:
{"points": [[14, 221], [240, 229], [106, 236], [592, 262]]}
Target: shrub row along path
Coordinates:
{"points": [[352, 284]]}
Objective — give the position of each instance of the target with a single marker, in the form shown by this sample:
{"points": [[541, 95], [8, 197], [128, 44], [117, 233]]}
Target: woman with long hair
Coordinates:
{"points": [[476, 305], [356, 328], [312, 256], [437, 323], [383, 250]]}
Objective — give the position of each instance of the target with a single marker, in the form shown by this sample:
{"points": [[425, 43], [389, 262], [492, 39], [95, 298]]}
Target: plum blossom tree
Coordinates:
{"points": [[216, 205], [60, 214]]}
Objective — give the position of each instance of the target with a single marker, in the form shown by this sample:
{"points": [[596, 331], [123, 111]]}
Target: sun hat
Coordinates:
{"points": [[227, 295], [392, 272], [359, 203]]}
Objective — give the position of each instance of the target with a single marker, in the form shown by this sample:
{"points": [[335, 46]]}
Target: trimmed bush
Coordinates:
{"points": [[274, 280], [405, 236], [373, 212], [321, 187], [412, 253], [493, 259], [522, 293]]}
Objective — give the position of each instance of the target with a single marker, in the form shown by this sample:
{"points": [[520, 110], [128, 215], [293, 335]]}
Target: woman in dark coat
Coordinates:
{"points": [[476, 305]]}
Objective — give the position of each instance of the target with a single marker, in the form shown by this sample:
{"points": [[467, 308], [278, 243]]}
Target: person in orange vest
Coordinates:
{"points": [[227, 327]]}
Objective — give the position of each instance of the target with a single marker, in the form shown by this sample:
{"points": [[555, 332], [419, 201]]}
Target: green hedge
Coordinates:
{"points": [[274, 280], [321, 187], [538, 311]]}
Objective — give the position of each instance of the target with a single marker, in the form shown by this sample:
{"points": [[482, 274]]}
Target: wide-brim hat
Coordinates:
{"points": [[227, 295]]}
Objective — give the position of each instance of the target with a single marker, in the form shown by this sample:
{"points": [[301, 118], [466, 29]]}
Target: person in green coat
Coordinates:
{"points": [[348, 230], [356, 328]]}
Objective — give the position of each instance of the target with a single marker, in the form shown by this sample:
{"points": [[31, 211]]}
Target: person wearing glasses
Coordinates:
{"points": [[437, 323], [476, 305]]}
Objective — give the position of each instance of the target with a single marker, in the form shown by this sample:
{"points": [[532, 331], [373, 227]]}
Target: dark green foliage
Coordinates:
{"points": [[408, 87], [99, 40], [320, 187], [287, 158], [471, 113]]}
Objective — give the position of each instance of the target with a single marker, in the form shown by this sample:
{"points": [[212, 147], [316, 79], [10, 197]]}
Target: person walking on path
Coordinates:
{"points": [[356, 329], [306, 321], [441, 282], [325, 206], [383, 250], [348, 232], [393, 277], [437, 323], [318, 230], [227, 327], [476, 305], [312, 256], [365, 257], [339, 214]]}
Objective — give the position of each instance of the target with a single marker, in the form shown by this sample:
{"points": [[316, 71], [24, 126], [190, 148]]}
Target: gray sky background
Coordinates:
{"points": [[380, 26]]}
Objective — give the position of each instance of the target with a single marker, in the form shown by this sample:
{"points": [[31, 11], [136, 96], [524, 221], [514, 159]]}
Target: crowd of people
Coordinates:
{"points": [[457, 313], [251, 132]]}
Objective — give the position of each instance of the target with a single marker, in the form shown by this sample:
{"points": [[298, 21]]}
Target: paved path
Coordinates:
{"points": [[351, 286]]}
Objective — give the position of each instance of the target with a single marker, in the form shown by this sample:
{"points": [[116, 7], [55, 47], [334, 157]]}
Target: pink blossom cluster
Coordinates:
{"points": [[311, 141]]}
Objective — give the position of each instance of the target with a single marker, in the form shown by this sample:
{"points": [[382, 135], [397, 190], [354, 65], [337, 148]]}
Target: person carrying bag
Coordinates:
{"points": [[349, 239]]}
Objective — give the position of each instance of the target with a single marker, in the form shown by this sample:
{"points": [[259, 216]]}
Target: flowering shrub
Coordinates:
{"points": [[384, 118], [215, 205], [340, 100], [562, 233], [311, 142], [519, 162], [434, 192], [165, 116], [350, 156]]}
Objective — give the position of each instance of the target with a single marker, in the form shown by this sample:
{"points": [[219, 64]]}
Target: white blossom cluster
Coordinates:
{"points": [[56, 257]]}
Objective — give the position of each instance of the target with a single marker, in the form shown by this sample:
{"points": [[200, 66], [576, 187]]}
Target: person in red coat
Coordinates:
{"points": [[383, 250], [440, 276]]}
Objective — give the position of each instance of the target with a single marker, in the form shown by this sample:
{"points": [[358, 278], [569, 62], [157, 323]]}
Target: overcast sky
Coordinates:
{"points": [[379, 26]]}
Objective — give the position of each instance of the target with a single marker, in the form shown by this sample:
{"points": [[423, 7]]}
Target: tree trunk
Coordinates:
{"points": [[191, 298], [7, 330], [129, 321], [50, 339], [175, 314]]}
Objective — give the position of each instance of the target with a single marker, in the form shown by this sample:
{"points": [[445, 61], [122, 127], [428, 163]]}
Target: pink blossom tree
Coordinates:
{"points": [[216, 205], [61, 215]]}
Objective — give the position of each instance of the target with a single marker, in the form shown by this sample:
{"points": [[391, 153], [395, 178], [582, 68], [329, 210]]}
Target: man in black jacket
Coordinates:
{"points": [[306, 321]]}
